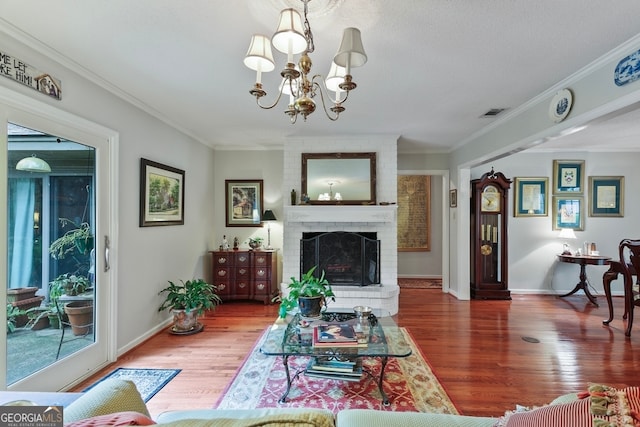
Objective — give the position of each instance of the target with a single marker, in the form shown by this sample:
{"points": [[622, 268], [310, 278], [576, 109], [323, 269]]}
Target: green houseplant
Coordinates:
{"points": [[309, 287], [188, 300], [79, 238]]}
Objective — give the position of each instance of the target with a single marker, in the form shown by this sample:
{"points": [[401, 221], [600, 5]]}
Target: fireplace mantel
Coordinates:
{"points": [[340, 213]]}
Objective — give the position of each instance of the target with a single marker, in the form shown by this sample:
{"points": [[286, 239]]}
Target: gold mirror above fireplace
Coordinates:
{"points": [[339, 178]]}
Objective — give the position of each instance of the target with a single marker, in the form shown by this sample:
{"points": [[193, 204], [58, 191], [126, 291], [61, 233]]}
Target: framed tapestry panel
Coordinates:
{"points": [[414, 213]]}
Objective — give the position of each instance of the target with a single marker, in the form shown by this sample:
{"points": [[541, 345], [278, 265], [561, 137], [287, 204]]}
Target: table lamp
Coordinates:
{"points": [[567, 233], [267, 217]]}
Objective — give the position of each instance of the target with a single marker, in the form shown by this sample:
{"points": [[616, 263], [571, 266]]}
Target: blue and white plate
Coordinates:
{"points": [[560, 105]]}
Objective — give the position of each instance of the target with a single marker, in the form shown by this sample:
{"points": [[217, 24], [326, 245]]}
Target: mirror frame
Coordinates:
{"points": [[310, 157]]}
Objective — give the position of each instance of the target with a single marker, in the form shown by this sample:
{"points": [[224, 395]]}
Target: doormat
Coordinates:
{"points": [[147, 381], [420, 283], [409, 382]]}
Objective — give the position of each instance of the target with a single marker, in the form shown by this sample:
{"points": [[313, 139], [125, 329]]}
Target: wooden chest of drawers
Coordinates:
{"points": [[245, 275]]}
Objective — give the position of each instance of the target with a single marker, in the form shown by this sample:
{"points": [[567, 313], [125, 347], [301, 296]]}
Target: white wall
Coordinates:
{"points": [[146, 257], [533, 244], [265, 165]]}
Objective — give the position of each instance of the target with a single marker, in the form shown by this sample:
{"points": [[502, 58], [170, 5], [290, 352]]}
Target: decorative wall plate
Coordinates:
{"points": [[628, 69], [560, 105]]}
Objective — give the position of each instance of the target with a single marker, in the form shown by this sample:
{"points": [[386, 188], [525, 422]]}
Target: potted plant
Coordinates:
{"points": [[309, 294], [255, 242], [69, 284], [12, 313], [188, 300], [80, 238]]}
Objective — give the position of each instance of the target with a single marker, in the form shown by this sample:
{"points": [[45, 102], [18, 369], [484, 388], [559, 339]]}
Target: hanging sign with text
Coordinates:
{"points": [[15, 69]]}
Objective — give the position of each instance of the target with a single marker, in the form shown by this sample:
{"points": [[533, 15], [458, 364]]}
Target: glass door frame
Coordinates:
{"points": [[34, 114]]}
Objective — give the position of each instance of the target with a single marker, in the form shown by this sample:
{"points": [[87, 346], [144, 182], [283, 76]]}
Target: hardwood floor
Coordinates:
{"points": [[476, 349]]}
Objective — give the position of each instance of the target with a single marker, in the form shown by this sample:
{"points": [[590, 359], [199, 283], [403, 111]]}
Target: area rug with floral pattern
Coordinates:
{"points": [[409, 383]]}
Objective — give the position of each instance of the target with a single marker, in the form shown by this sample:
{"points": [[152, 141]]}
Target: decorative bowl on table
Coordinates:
{"points": [[362, 311]]}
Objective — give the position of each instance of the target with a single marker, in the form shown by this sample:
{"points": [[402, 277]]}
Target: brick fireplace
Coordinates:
{"points": [[380, 220]]}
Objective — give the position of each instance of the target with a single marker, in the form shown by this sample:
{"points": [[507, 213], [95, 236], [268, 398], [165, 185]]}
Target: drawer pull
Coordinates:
{"points": [[260, 286], [222, 273]]}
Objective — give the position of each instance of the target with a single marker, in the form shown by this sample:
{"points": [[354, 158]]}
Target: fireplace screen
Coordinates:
{"points": [[347, 259]]}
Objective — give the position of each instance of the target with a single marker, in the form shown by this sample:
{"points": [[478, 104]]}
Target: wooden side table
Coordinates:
{"points": [[583, 261]]}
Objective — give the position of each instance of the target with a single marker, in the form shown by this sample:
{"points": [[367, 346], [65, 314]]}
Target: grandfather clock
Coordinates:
{"points": [[489, 196]]}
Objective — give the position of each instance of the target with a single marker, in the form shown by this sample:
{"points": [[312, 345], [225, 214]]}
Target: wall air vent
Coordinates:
{"points": [[492, 112]]}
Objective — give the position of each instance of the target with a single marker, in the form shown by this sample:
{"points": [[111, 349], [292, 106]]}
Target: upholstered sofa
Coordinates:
{"points": [[117, 402]]}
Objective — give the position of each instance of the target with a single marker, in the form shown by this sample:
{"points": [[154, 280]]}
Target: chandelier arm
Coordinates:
{"points": [[268, 107], [324, 107]]}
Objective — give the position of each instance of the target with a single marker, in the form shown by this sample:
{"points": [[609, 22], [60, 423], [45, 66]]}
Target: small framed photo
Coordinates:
{"points": [[243, 202], [531, 197], [161, 194], [568, 176], [453, 198], [606, 196], [567, 212]]}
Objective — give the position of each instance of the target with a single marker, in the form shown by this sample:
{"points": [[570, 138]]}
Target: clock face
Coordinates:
{"points": [[486, 249], [490, 199]]}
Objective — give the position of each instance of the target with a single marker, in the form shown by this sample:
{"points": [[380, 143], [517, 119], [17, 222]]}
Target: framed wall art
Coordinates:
{"points": [[414, 213], [568, 213], [243, 202], [530, 197], [606, 196], [568, 176], [161, 194], [453, 198]]}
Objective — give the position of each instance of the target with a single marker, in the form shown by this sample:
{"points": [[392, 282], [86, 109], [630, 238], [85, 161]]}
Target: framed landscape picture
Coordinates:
{"points": [[161, 194], [606, 196], [530, 196], [568, 176], [243, 199], [568, 213]]}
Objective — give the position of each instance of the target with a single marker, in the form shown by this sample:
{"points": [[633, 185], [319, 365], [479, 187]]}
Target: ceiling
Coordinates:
{"points": [[434, 66]]}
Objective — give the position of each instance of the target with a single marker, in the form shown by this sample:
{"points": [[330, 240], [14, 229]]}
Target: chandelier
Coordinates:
{"points": [[293, 37]]}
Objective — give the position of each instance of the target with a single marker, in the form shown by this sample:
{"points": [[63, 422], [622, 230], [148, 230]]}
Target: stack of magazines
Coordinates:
{"points": [[337, 335], [347, 370]]}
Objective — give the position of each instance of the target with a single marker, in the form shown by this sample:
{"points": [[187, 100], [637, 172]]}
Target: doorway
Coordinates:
{"points": [[57, 236]]}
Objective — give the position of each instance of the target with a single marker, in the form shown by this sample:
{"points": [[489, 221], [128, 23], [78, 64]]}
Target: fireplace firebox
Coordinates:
{"points": [[347, 258]]}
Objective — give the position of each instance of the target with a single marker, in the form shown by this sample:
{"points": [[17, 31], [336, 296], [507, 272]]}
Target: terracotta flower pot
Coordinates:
{"points": [[80, 315]]}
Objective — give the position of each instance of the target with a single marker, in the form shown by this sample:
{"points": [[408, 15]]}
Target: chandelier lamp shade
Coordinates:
{"points": [[292, 37], [33, 164]]}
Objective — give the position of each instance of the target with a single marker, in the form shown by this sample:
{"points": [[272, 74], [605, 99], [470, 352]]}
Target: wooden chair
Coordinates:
{"points": [[628, 266]]}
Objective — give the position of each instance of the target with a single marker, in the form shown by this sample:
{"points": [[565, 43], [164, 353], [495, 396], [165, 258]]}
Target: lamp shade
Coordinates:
{"points": [[351, 52], [33, 164], [259, 56], [567, 233], [335, 77], [289, 37], [268, 215]]}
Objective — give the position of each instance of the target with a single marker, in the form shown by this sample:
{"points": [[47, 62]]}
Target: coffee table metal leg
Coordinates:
{"points": [[290, 380], [385, 398]]}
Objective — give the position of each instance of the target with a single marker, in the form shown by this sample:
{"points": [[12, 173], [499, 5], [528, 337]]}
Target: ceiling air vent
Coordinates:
{"points": [[492, 112]]}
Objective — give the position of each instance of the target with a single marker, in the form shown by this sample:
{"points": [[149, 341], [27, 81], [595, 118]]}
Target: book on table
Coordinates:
{"points": [[346, 340], [350, 370], [336, 332]]}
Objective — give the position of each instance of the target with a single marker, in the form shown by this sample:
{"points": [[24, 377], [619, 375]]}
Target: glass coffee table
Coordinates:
{"points": [[293, 336]]}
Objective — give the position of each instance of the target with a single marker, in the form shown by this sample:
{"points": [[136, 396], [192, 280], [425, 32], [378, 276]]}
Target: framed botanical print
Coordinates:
{"points": [[530, 196], [243, 202], [568, 213], [606, 196], [568, 176]]}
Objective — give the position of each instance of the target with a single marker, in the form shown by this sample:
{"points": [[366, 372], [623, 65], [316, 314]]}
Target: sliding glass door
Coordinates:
{"points": [[57, 269]]}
